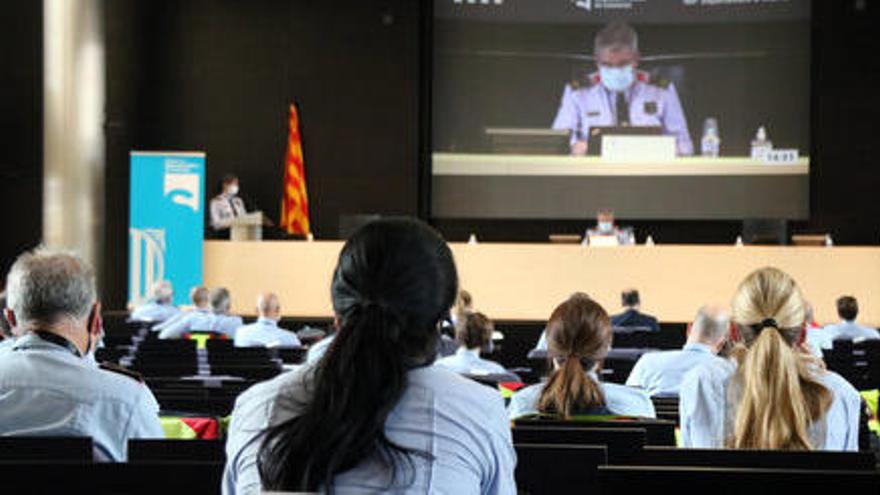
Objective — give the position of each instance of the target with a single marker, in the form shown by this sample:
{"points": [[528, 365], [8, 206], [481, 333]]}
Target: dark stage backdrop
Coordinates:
{"points": [[21, 128], [217, 75]]}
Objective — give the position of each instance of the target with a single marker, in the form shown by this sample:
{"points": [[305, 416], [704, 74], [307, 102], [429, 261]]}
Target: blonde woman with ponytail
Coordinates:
{"points": [[771, 394], [578, 339]]}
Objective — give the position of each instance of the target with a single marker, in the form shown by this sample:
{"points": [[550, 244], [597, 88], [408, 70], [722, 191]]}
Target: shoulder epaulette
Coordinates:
{"points": [[115, 368]]}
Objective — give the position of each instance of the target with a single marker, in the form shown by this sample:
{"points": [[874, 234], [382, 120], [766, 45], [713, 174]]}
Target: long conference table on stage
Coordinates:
{"points": [[526, 281]]}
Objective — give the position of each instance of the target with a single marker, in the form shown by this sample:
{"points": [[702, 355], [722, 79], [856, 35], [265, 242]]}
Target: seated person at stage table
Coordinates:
{"points": [[606, 233], [847, 329], [661, 373], [265, 332], [374, 416], [578, 338], [226, 206], [619, 95], [631, 317], [772, 394], [50, 384], [160, 307], [473, 332]]}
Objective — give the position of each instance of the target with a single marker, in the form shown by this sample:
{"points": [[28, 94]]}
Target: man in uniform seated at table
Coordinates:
{"points": [[265, 332], [631, 316], [847, 329], [661, 373], [159, 307], [50, 384], [619, 95]]}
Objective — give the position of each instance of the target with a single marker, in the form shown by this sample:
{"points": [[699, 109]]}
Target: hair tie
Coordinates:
{"points": [[765, 323]]}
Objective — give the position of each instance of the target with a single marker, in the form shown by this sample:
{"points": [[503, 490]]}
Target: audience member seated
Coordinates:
{"points": [[200, 316], [660, 373], [542, 340], [473, 332], [813, 332], [772, 394], [211, 314], [375, 416], [847, 329], [159, 307], [631, 316], [579, 337], [50, 384], [265, 332]]}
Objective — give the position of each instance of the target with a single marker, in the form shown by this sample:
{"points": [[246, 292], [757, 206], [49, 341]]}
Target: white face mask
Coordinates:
{"points": [[605, 226], [617, 78], [232, 190]]}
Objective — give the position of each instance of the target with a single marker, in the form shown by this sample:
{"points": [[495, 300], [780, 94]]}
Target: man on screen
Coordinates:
{"points": [[620, 95]]}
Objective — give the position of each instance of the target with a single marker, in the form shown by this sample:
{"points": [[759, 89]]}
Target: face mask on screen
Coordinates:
{"points": [[617, 78], [232, 190]]}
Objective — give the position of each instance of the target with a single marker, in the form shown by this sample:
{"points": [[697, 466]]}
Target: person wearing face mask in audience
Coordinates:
{"points": [[50, 384], [619, 95], [226, 206]]}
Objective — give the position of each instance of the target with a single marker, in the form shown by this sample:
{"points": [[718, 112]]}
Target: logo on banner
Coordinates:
{"points": [[181, 184], [147, 261]]}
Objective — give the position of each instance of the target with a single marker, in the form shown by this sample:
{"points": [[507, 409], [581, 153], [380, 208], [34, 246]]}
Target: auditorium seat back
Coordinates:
{"points": [[623, 444], [658, 432], [552, 469], [46, 449], [671, 456], [148, 450], [724, 481]]}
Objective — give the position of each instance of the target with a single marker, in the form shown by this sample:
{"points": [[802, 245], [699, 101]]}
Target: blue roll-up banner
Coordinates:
{"points": [[166, 226]]}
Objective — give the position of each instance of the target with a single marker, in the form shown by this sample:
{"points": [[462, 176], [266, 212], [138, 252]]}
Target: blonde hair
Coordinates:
{"points": [[579, 330], [780, 397]]}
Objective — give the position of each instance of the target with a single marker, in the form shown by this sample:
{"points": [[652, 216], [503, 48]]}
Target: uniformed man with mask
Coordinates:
{"points": [[50, 384], [619, 95], [226, 206]]}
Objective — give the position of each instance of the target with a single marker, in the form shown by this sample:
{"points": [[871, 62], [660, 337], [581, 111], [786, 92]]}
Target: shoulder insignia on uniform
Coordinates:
{"points": [[115, 368]]}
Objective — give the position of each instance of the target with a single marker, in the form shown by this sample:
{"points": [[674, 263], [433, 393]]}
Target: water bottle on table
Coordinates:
{"points": [[710, 145]]}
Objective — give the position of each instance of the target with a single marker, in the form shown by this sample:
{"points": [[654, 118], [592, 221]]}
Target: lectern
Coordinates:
{"points": [[247, 227]]}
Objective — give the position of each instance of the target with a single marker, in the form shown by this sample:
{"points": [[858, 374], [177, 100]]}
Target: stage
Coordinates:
{"points": [[526, 281]]}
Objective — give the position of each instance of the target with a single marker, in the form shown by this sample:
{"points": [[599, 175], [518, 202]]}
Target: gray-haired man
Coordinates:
{"points": [[50, 384], [661, 373], [620, 95]]}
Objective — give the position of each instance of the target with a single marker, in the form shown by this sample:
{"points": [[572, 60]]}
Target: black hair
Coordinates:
{"points": [[226, 179], [847, 308], [394, 281], [630, 298]]}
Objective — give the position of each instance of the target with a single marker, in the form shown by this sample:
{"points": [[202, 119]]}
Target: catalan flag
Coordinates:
{"points": [[295, 200]]}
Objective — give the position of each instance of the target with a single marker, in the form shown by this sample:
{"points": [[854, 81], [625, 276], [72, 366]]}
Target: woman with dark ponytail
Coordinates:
{"points": [[578, 339], [372, 415], [772, 394]]}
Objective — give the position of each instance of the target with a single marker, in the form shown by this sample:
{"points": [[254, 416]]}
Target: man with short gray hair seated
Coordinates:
{"points": [[265, 332], [159, 307], [661, 373], [50, 384]]}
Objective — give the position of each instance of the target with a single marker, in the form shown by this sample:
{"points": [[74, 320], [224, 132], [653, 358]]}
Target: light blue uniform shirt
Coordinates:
{"points": [[845, 330], [619, 399], [649, 106], [461, 423], [661, 373], [199, 320], [265, 332], [46, 390], [707, 416], [155, 312], [318, 350], [468, 361]]}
